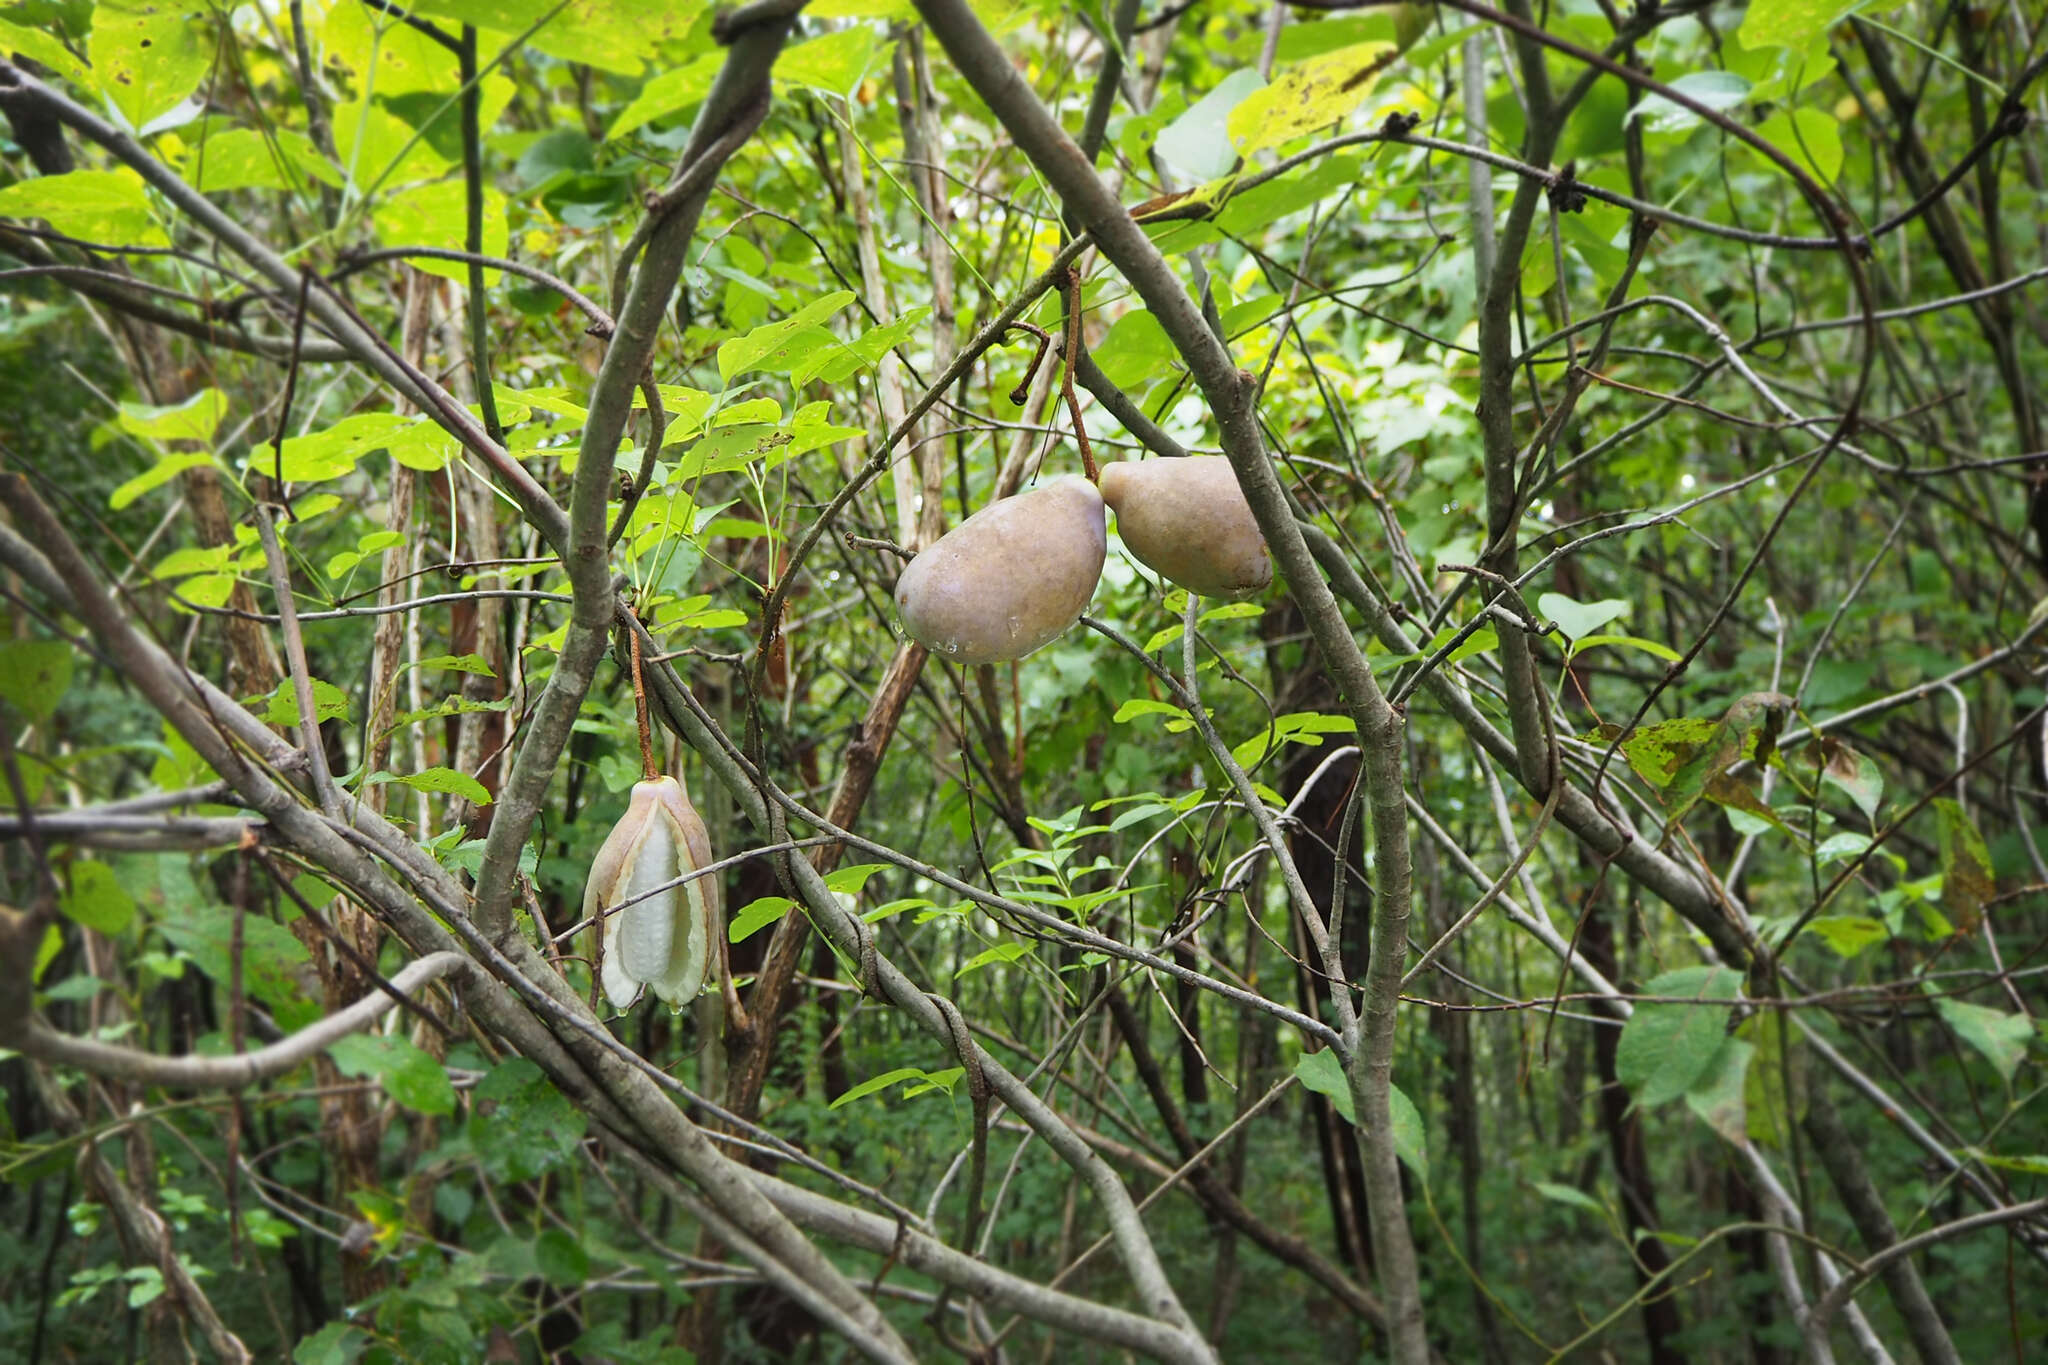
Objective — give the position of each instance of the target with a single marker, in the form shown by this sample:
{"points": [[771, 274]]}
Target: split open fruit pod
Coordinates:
{"points": [[656, 934]]}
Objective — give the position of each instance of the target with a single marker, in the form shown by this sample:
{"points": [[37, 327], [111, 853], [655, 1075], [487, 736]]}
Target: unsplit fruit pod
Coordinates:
{"points": [[1009, 578], [656, 934], [1188, 521]]}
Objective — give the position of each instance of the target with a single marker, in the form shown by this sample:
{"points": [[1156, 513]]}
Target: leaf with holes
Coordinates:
{"points": [[34, 675], [148, 55], [1967, 883], [1308, 95], [445, 781]]}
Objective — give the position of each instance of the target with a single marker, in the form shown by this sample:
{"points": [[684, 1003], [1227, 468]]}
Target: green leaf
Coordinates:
{"points": [[1712, 89], [157, 475], [2025, 1165], [1840, 847], [47, 950], [329, 703], [148, 1286], [1717, 1094], [97, 900], [874, 1085], [1810, 137], [1664, 652], [1135, 351], [98, 206], [409, 1076], [1323, 1073], [1848, 935], [1666, 1048], [1003, 952], [669, 93], [1411, 1141], [34, 675], [897, 907], [834, 362], [195, 419], [1580, 619], [615, 35], [1570, 1194], [834, 63], [2000, 1037], [271, 957], [561, 1259], [1197, 143], [1751, 724], [148, 56], [769, 347], [848, 881], [37, 45], [436, 215], [935, 1080], [1145, 706], [522, 1126], [459, 663], [1296, 727], [446, 781], [731, 449], [244, 159], [1788, 23], [1655, 751], [333, 451], [756, 916], [1769, 1110], [447, 706], [1736, 795]]}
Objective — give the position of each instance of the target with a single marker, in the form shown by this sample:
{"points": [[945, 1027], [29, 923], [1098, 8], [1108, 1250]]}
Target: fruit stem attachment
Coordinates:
{"points": [[1073, 351], [647, 768]]}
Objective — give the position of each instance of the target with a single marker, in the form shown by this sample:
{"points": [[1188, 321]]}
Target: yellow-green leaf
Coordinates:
{"points": [[148, 55], [98, 206], [1308, 96], [1811, 137], [434, 215], [38, 46], [33, 675], [244, 159], [157, 475], [195, 419]]}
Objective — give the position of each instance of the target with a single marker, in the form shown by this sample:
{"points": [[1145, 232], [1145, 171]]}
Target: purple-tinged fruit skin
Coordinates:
{"points": [[1187, 520], [1008, 579], [665, 939]]}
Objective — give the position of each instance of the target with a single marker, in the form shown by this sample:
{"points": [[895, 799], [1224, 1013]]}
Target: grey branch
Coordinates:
{"points": [[240, 1070]]}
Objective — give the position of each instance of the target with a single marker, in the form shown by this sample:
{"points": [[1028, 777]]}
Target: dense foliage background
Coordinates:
{"points": [[1589, 907]]}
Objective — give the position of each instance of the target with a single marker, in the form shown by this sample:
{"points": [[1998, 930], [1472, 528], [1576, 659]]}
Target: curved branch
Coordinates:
{"points": [[240, 1070], [1824, 1309]]}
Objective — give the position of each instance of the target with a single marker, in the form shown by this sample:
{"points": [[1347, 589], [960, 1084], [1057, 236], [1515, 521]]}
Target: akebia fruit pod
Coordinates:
{"points": [[1009, 578], [1188, 521], [655, 934]]}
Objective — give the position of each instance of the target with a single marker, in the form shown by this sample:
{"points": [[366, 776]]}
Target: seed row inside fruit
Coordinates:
{"points": [[1016, 574]]}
